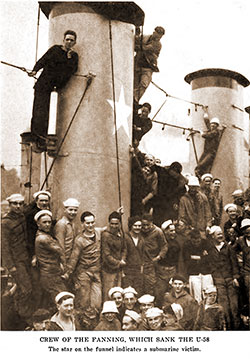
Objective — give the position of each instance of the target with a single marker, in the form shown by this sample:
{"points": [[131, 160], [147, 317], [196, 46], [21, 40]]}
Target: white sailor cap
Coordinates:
{"points": [[206, 175], [214, 229], [146, 299], [109, 307], [134, 315], [210, 289], [245, 223], [71, 202], [63, 294], [193, 181], [42, 213], [129, 290], [166, 224], [153, 312], [114, 290], [215, 120], [227, 206], [237, 192], [15, 197], [178, 310], [36, 194]]}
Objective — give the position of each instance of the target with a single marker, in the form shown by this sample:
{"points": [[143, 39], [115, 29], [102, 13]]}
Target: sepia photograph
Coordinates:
{"points": [[125, 195]]}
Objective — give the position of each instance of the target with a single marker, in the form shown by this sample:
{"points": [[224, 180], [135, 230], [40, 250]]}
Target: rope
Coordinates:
{"points": [[175, 126], [89, 80], [116, 135], [46, 168], [179, 98], [37, 32], [158, 110], [30, 171]]}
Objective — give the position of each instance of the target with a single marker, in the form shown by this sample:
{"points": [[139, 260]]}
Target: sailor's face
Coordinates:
{"points": [[155, 322], [149, 161], [232, 214], [216, 184], [213, 126], [129, 301], [109, 316], [136, 227], [218, 236], [66, 307], [128, 323], [89, 224], [117, 297], [207, 182], [44, 223], [247, 233], [16, 206], [69, 41], [114, 225], [146, 225], [211, 298], [71, 212], [178, 286], [144, 112], [43, 201], [145, 306]]}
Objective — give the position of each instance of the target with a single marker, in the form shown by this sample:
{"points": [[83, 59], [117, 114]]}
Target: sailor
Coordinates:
{"points": [[108, 319], [212, 140], [58, 64], [15, 255], [65, 230], [131, 320], [148, 49], [85, 264], [141, 122], [50, 258], [113, 254], [225, 273], [194, 208]]}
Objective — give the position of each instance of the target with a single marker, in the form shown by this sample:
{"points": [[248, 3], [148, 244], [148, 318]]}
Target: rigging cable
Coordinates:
{"points": [[178, 98], [114, 108], [89, 80]]}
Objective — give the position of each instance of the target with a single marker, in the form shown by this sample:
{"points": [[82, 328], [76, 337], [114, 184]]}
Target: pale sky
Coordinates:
{"points": [[199, 34]]}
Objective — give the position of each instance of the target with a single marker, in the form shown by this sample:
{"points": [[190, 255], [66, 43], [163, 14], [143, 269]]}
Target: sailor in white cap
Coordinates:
{"points": [[212, 140], [49, 256], [210, 315], [232, 225], [154, 318], [64, 318], [116, 294], [42, 199], [225, 271], [129, 298], [131, 320], [108, 320], [206, 188], [146, 301], [238, 199], [14, 253], [194, 208], [65, 229]]}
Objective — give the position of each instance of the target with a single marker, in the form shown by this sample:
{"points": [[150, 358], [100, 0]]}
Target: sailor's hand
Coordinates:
{"points": [[31, 73], [65, 276], [235, 283], [33, 261], [120, 210]]}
